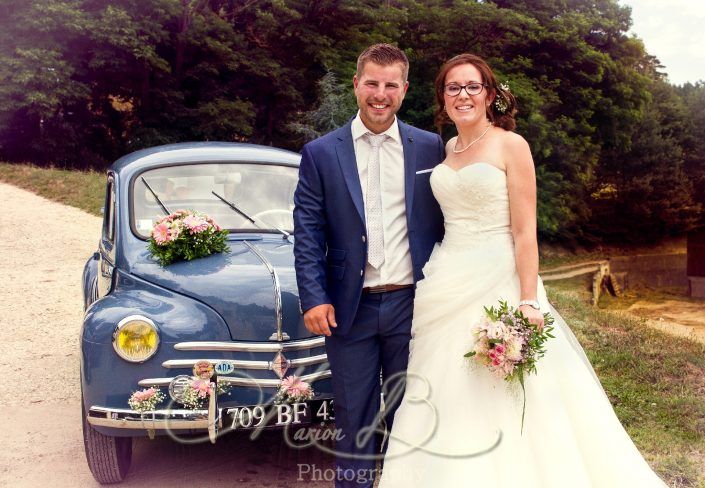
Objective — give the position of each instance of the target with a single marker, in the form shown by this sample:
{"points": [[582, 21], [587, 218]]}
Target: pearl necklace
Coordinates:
{"points": [[456, 151]]}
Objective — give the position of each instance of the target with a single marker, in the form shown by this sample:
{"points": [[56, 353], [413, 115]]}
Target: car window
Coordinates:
{"points": [[109, 211], [265, 192]]}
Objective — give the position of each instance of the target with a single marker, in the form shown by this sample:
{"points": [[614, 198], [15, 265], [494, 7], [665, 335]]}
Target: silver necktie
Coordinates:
{"points": [[373, 206]]}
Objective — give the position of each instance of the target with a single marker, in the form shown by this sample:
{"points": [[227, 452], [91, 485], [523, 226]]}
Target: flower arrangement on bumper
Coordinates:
{"points": [[198, 391], [509, 345], [194, 394], [185, 235], [292, 390], [146, 400]]}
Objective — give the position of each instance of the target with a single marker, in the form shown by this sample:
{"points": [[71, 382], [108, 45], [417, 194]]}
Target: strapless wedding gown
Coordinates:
{"points": [[460, 426]]}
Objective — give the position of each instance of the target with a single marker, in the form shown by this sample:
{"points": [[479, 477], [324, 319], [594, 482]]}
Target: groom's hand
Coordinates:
{"points": [[320, 319]]}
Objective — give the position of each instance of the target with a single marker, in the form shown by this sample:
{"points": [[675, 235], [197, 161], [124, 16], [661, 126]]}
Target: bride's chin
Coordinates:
{"points": [[468, 122]]}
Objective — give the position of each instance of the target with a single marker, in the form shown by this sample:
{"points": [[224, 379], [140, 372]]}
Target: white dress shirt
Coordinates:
{"points": [[397, 268]]}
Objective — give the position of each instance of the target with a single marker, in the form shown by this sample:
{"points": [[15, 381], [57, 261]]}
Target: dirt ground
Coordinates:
{"points": [[679, 317], [43, 246]]}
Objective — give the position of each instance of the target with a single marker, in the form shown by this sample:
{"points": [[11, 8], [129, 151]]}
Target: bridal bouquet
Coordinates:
{"points": [[509, 345], [186, 235]]}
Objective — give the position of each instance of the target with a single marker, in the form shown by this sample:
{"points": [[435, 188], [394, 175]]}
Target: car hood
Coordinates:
{"points": [[239, 286]]}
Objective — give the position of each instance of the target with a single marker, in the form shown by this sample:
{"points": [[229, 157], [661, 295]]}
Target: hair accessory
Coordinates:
{"points": [[500, 101]]}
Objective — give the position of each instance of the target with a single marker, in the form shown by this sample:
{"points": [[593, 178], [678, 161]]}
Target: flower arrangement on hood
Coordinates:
{"points": [[185, 235]]}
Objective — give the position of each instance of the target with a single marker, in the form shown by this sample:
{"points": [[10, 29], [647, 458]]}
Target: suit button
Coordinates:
{"points": [[362, 272], [363, 238]]}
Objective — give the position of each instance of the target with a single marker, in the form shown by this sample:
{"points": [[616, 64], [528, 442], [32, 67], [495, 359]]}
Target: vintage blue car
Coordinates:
{"points": [[237, 312]]}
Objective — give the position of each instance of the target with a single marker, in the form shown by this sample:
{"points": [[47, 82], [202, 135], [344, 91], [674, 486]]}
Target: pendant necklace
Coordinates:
{"points": [[458, 151]]}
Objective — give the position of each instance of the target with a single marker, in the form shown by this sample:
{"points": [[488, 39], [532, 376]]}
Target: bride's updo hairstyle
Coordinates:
{"points": [[501, 98]]}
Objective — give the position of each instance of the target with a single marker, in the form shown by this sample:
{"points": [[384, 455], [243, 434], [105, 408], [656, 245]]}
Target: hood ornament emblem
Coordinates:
{"points": [[279, 365]]}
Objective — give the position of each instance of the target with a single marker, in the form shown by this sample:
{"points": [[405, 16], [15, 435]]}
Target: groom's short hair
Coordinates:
{"points": [[384, 55]]}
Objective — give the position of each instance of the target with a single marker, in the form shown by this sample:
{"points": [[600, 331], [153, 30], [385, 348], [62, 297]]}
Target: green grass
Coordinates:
{"points": [[656, 383], [84, 190]]}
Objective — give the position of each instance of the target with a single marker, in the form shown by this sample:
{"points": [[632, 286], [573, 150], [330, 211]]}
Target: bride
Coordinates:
{"points": [[458, 425]]}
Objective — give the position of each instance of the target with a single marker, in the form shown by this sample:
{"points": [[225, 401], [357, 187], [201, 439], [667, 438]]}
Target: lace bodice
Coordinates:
{"points": [[474, 200]]}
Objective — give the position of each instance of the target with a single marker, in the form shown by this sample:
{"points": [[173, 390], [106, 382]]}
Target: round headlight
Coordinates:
{"points": [[136, 339]]}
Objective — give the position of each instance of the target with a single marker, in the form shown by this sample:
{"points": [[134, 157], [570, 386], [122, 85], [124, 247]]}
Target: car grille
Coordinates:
{"points": [[248, 371]]}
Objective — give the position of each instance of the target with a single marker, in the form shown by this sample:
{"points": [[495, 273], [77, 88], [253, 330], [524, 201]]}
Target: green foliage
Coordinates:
{"points": [[337, 105], [693, 96], [84, 81], [644, 192]]}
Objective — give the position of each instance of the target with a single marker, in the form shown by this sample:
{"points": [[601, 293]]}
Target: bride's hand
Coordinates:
{"points": [[534, 316]]}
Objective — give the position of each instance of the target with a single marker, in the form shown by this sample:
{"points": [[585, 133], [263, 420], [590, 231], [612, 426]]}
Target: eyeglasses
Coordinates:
{"points": [[453, 89]]}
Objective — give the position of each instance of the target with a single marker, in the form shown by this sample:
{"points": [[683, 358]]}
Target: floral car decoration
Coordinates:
{"points": [[293, 389], [178, 346], [186, 235]]}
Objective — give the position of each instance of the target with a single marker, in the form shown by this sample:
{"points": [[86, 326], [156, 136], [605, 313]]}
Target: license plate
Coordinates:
{"points": [[282, 415]]}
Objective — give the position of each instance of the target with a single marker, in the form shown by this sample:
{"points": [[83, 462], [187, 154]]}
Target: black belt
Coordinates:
{"points": [[384, 288]]}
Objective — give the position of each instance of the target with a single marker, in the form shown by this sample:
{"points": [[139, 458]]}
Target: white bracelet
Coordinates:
{"points": [[532, 303]]}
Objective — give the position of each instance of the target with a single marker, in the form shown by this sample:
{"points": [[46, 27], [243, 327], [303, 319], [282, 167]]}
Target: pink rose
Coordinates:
{"points": [[499, 348]]}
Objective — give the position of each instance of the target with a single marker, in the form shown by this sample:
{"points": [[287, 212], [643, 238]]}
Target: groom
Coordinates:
{"points": [[365, 223]]}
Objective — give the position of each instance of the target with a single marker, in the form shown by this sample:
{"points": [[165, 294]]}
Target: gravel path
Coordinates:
{"points": [[43, 247]]}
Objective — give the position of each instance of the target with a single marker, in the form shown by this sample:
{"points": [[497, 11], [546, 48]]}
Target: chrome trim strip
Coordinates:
{"points": [[242, 364], [177, 419], [251, 382], [251, 346], [278, 309]]}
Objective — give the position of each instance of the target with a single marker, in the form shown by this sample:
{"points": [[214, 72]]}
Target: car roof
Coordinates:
{"points": [[187, 152]]}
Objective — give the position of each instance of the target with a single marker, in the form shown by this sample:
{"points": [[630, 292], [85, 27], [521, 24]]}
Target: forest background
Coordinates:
{"points": [[619, 150]]}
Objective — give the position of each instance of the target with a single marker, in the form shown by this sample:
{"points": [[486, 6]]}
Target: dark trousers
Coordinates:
{"points": [[378, 341]]}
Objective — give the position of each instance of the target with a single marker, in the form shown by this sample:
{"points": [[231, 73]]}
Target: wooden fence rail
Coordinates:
{"points": [[600, 273]]}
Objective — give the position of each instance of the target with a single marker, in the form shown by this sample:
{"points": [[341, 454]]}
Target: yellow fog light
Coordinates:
{"points": [[136, 339]]}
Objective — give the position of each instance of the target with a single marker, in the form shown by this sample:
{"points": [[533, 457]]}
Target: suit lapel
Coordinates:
{"points": [[346, 158], [409, 167]]}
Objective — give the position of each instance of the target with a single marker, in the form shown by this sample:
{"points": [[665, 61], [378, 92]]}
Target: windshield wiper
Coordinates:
{"points": [[242, 212], [166, 210]]}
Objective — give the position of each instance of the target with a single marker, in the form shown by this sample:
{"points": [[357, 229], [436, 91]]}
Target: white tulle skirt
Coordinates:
{"points": [[460, 426]]}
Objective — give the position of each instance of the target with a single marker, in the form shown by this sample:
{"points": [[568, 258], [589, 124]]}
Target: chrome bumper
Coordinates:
{"points": [[121, 418]]}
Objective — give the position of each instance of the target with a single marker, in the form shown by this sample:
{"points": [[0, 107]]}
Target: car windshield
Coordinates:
{"points": [[264, 192]]}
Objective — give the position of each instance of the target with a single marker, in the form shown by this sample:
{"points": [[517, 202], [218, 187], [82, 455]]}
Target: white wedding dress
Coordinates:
{"points": [[460, 426]]}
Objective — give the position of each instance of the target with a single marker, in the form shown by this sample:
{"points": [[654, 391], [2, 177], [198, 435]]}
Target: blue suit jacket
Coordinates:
{"points": [[330, 245]]}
